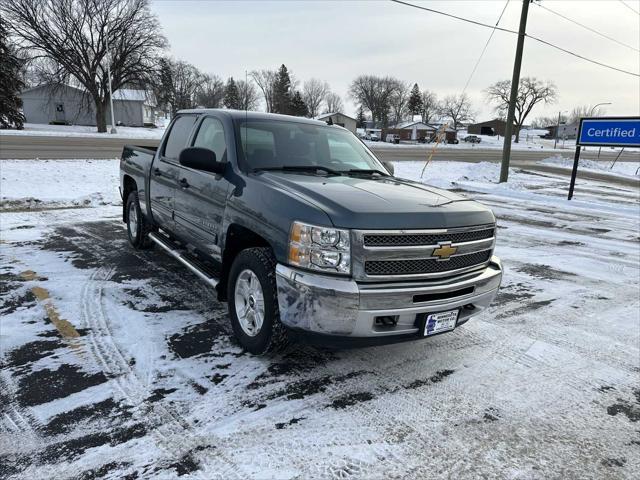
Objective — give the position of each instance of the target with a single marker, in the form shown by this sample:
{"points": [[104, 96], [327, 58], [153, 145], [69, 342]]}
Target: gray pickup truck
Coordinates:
{"points": [[305, 233]]}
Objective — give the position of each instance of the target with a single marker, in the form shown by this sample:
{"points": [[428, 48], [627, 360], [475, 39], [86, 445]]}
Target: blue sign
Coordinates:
{"points": [[613, 132]]}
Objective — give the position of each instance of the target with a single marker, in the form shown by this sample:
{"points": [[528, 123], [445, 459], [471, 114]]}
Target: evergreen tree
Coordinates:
{"points": [[297, 106], [360, 118], [163, 86], [231, 95], [11, 84], [282, 91], [414, 105]]}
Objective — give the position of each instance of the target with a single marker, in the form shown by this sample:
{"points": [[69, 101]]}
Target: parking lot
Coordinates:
{"points": [[120, 364]]}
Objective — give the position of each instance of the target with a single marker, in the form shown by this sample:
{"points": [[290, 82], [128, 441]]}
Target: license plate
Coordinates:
{"points": [[440, 322]]}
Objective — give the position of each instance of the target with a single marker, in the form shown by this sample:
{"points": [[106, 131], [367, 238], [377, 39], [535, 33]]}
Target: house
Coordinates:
{"points": [[64, 104], [339, 119], [412, 130], [491, 128], [565, 130]]}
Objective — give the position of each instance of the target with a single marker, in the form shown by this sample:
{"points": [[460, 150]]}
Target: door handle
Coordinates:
{"points": [[183, 183], [157, 172]]}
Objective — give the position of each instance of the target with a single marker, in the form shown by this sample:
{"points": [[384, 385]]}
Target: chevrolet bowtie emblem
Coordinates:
{"points": [[444, 251]]}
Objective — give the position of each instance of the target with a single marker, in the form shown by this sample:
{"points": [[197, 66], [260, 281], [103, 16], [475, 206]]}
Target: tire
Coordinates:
{"points": [[138, 228], [252, 290]]}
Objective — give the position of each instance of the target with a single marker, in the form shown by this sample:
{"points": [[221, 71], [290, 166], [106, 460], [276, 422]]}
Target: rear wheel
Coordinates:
{"points": [[137, 227], [253, 302]]}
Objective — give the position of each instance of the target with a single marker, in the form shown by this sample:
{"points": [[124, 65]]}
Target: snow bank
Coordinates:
{"points": [[84, 131], [626, 169], [58, 183]]}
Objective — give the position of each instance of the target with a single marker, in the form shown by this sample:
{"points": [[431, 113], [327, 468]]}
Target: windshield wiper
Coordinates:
{"points": [[300, 168], [365, 171]]}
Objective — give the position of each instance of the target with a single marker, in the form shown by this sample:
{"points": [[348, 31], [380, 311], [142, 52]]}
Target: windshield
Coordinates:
{"points": [[272, 144]]}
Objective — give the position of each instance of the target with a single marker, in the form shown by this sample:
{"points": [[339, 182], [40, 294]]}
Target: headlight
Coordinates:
{"points": [[320, 248]]}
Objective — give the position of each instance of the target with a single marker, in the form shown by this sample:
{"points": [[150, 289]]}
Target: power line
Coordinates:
{"points": [[486, 45], [629, 7], [588, 28], [512, 31]]}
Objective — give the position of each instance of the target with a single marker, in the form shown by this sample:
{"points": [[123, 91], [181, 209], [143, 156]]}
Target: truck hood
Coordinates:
{"points": [[381, 203]]}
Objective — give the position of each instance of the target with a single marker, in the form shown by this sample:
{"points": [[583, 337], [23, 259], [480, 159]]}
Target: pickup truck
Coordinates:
{"points": [[305, 233]]}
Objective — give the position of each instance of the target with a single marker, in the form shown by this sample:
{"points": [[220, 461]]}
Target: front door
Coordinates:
{"points": [[201, 196], [60, 115], [165, 169]]}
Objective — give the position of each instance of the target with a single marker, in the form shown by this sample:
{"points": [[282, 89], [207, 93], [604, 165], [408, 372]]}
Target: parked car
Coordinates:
{"points": [[472, 139], [373, 137], [392, 138], [454, 141], [305, 233]]}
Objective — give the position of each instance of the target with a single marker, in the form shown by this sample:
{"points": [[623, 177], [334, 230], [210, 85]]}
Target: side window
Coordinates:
{"points": [[178, 136], [211, 135]]}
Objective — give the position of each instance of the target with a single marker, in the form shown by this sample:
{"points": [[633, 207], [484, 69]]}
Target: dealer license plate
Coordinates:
{"points": [[440, 322]]}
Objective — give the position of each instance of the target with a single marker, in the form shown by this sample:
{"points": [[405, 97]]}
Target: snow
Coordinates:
{"points": [[85, 131], [58, 183], [544, 381], [626, 169]]}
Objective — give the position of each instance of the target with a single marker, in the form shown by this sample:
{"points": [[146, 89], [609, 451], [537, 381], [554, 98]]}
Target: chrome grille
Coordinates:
{"points": [[412, 239], [380, 255], [424, 265]]}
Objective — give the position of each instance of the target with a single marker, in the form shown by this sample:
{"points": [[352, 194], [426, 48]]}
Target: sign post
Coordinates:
{"points": [[604, 132]]}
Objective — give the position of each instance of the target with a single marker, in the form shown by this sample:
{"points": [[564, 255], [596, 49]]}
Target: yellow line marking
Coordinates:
{"points": [[65, 327]]}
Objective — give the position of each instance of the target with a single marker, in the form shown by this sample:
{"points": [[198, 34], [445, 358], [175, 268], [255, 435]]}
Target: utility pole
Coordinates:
{"points": [[113, 122], [555, 143], [515, 82]]}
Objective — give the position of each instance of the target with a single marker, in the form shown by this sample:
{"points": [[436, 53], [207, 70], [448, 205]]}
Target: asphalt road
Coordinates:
{"points": [[51, 147]]}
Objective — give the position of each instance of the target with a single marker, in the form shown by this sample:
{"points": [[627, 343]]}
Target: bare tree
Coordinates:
{"points": [[399, 101], [374, 93], [333, 103], [430, 107], [314, 92], [266, 81], [211, 91], [186, 84], [531, 92], [75, 34], [248, 95], [585, 111], [457, 108]]}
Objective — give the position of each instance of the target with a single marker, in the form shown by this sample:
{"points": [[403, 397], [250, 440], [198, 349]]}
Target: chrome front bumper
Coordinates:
{"points": [[334, 306]]}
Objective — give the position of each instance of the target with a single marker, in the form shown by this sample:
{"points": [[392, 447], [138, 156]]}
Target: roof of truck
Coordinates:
{"points": [[242, 114]]}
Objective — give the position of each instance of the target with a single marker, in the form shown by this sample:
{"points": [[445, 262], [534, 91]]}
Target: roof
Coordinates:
{"points": [[418, 125], [249, 115], [489, 122], [122, 94], [327, 115]]}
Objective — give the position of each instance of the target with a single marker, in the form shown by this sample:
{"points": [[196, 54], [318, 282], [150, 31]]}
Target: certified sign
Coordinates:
{"points": [[610, 132]]}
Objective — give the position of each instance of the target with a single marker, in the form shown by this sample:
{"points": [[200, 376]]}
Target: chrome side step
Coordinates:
{"points": [[183, 258]]}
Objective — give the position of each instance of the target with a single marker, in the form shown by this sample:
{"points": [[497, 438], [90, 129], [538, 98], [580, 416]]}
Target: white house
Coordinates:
{"points": [[339, 119], [65, 104]]}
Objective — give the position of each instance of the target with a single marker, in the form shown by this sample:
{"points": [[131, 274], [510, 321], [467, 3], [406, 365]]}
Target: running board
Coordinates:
{"points": [[184, 258]]}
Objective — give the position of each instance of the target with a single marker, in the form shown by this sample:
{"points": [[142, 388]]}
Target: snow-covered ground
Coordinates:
{"points": [[627, 169], [119, 364], [84, 131]]}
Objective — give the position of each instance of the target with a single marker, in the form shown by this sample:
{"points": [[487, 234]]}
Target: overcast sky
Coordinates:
{"points": [[338, 40]]}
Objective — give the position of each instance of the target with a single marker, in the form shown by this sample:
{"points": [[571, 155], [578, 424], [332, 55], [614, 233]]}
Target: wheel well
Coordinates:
{"points": [[238, 238], [129, 186]]}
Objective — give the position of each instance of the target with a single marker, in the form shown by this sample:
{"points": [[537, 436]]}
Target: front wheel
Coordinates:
{"points": [[253, 302]]}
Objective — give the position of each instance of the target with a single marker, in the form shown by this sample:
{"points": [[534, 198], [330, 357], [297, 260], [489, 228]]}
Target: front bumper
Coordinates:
{"points": [[335, 306]]}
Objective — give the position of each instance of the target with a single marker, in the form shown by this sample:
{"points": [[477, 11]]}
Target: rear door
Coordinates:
{"points": [[163, 180], [201, 196]]}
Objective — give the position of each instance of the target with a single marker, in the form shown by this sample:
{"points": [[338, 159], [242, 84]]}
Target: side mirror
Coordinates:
{"points": [[203, 159], [389, 166]]}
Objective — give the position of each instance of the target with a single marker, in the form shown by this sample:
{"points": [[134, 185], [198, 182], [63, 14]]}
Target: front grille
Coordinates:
{"points": [[424, 265], [413, 239]]}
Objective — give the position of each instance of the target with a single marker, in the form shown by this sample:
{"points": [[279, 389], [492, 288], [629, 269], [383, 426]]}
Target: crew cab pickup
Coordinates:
{"points": [[305, 233]]}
